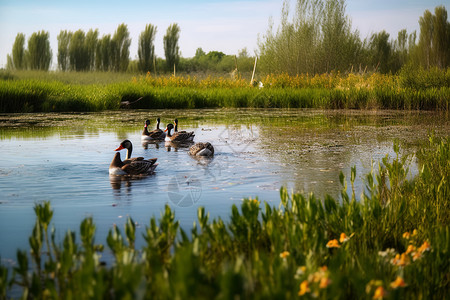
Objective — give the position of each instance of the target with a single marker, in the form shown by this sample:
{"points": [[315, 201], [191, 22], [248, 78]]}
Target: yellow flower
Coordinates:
{"points": [[410, 249], [424, 247], [324, 282], [343, 238], [406, 235], [284, 254], [416, 255], [304, 288], [414, 232], [333, 244], [380, 293], [400, 260], [398, 282]]}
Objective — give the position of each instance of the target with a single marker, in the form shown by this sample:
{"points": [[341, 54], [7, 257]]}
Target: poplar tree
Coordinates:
{"points": [[17, 60], [63, 50], [121, 42], [146, 49], [171, 48], [39, 53]]}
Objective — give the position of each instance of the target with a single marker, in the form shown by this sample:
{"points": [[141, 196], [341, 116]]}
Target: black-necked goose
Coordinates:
{"points": [[157, 134], [202, 149], [178, 137], [131, 165]]}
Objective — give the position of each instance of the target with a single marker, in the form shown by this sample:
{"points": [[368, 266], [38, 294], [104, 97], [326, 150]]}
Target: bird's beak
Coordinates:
{"points": [[120, 148], [165, 130]]}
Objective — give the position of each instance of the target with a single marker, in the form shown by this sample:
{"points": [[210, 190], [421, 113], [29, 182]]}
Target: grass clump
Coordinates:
{"points": [[392, 243], [427, 90]]}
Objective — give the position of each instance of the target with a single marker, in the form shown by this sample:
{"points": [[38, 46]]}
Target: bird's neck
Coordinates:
{"points": [[129, 150], [145, 132], [157, 124], [176, 127]]}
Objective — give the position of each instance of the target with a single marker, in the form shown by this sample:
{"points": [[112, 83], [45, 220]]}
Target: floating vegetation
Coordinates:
{"points": [[393, 243]]}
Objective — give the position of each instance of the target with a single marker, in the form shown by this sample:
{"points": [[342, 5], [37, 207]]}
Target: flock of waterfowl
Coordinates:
{"points": [[141, 166]]}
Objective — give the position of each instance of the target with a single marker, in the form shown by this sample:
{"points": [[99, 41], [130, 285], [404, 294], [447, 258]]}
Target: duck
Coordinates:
{"points": [[178, 137], [176, 126], [156, 134], [202, 149], [131, 165]]}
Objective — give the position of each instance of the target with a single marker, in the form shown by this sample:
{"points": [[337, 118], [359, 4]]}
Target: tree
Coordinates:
{"points": [[434, 39], [39, 52], [380, 51], [64, 37], [171, 48], [146, 49], [77, 51], [121, 42], [103, 57], [17, 60], [90, 48], [441, 37], [317, 39]]}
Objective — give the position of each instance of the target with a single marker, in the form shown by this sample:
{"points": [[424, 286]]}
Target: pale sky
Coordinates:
{"points": [[219, 25]]}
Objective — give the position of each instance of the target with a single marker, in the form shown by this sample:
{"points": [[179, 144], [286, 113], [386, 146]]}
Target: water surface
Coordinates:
{"points": [[64, 158]]}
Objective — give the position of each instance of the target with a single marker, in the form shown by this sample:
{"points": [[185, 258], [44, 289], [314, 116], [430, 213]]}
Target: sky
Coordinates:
{"points": [[213, 25]]}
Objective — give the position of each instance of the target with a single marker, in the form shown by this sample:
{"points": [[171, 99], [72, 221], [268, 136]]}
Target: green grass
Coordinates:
{"points": [[398, 232], [62, 92]]}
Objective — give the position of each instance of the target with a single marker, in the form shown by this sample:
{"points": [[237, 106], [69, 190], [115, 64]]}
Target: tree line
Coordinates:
{"points": [[80, 51], [316, 38]]}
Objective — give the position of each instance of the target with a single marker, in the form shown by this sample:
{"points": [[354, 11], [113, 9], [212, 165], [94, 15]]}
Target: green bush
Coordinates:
{"points": [[394, 243]]}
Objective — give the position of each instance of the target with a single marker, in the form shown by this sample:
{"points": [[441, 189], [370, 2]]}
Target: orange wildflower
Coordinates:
{"points": [[333, 244], [324, 282], [304, 288], [380, 293], [424, 247], [406, 235], [343, 238], [398, 282], [410, 249], [284, 254], [400, 260]]}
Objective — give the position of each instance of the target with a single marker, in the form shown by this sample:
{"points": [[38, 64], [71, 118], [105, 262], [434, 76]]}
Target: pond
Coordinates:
{"points": [[64, 158]]}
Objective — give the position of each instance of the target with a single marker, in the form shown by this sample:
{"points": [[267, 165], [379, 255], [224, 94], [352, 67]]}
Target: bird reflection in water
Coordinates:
{"points": [[148, 144], [176, 145]]}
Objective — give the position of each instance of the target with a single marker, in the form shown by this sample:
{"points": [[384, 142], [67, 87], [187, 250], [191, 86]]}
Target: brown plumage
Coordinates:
{"points": [[179, 137], [202, 149], [156, 134], [131, 165]]}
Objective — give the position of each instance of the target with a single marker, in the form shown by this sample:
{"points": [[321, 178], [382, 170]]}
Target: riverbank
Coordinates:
{"points": [[392, 244], [426, 90]]}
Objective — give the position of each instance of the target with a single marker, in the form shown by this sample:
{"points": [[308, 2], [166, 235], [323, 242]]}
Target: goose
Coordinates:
{"points": [[156, 134], [202, 149], [176, 126], [131, 165], [178, 137]]}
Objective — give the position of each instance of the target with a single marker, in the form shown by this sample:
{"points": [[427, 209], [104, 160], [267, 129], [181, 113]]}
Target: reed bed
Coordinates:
{"points": [[392, 243], [426, 90]]}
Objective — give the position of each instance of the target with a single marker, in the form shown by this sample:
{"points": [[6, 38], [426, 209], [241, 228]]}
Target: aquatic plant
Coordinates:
{"points": [[334, 90], [391, 243]]}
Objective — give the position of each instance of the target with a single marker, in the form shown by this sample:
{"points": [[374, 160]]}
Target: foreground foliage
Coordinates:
{"points": [[392, 243], [411, 90]]}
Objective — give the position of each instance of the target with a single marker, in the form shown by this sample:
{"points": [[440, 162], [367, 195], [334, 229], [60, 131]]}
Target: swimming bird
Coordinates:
{"points": [[202, 149], [131, 165], [179, 137], [156, 134], [176, 126]]}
